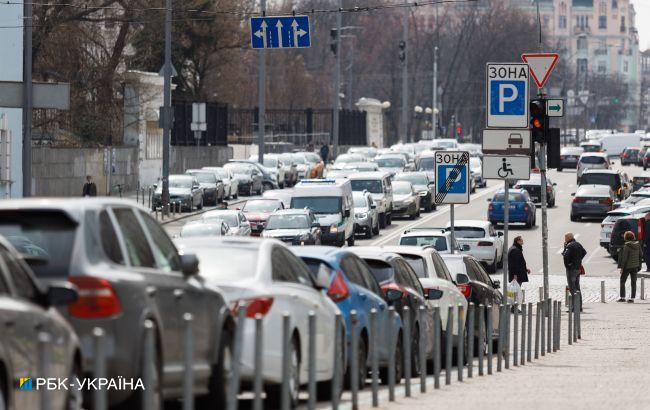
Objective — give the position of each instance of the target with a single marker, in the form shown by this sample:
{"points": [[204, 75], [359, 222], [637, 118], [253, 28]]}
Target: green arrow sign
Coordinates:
{"points": [[554, 108]]}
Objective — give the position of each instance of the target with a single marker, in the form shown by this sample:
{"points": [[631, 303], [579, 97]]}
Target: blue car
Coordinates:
{"points": [[353, 287], [522, 208]]}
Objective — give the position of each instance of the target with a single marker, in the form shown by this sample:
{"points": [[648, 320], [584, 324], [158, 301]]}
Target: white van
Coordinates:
{"points": [[614, 144], [332, 203]]}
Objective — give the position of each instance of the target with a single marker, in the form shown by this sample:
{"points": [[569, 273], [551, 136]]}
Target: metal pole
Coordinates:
{"points": [[375, 357], [449, 344], [578, 308], [642, 288], [285, 399], [434, 121], [602, 291], [337, 85], [537, 320], [515, 336], [530, 333], [338, 339], [452, 229], [261, 95], [437, 347], [489, 333], [258, 383], [422, 354], [350, 73], [167, 101], [470, 340], [236, 358], [570, 315], [406, 348], [542, 167], [460, 347], [188, 365], [405, 92], [391, 356], [502, 325], [311, 382], [28, 29], [549, 327], [354, 360], [524, 311], [147, 374], [506, 220], [559, 324], [507, 336], [542, 335], [99, 370], [481, 338]]}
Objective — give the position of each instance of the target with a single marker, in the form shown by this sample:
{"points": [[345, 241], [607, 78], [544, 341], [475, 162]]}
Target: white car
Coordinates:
{"points": [[592, 160], [485, 243], [476, 168], [266, 278], [438, 285], [273, 166], [302, 165], [607, 225], [283, 195], [237, 223], [437, 238], [230, 182]]}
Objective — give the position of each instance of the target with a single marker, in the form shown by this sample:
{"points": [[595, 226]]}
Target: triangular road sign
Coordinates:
{"points": [[541, 65]]}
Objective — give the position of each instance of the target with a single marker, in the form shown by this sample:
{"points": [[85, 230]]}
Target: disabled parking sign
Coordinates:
{"points": [[452, 177], [507, 95]]}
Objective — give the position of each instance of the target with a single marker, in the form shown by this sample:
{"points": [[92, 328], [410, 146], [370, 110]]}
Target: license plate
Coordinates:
{"points": [[607, 235], [592, 202]]}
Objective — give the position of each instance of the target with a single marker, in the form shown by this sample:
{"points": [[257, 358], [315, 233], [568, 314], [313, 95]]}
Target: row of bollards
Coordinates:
{"points": [[603, 297]]}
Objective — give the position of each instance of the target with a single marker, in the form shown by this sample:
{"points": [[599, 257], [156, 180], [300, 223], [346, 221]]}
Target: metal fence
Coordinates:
{"points": [[217, 125]]}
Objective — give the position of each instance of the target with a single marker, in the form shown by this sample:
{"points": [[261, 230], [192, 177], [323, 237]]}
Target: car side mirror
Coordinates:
{"points": [[195, 186], [554, 184], [500, 234], [155, 186], [462, 279], [189, 265], [373, 206], [323, 277], [347, 213], [465, 248], [496, 283], [489, 199], [434, 294], [61, 293], [393, 295]]}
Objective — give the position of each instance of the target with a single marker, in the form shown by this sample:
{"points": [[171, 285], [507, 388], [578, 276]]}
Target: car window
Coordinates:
{"points": [[369, 279], [22, 281], [493, 232], [351, 271], [441, 269], [135, 240], [418, 264], [300, 271], [165, 252], [110, 244], [481, 275], [280, 268], [470, 268], [413, 279]]}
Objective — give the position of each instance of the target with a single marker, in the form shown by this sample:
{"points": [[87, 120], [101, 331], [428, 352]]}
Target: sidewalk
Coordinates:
{"points": [[609, 368]]}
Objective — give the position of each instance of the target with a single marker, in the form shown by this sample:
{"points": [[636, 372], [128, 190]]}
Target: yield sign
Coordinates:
{"points": [[541, 65]]}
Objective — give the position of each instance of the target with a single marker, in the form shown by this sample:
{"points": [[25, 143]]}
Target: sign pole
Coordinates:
{"points": [[261, 121], [27, 99], [167, 102], [337, 85], [506, 221], [542, 170], [452, 228]]}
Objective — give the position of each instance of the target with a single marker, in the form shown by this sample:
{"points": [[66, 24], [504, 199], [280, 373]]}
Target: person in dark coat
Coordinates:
{"points": [[629, 262], [89, 189], [573, 253], [517, 269], [325, 152], [646, 242]]}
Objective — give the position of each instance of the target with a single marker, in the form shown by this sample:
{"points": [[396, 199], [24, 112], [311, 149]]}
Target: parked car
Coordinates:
{"points": [[353, 287], [127, 271], [283, 195], [634, 199], [315, 164], [380, 187], [237, 223], [265, 278], [302, 165], [368, 152], [257, 212], [632, 223], [522, 208], [533, 186], [437, 238], [290, 169], [645, 160], [391, 163], [476, 168], [479, 288], [482, 240], [612, 216], [273, 166], [230, 183], [27, 309], [591, 146], [269, 180], [616, 180], [631, 156], [424, 187], [569, 157], [405, 200], [592, 160], [366, 217], [593, 201], [249, 178], [293, 227], [213, 190], [639, 181], [184, 190], [209, 227]]}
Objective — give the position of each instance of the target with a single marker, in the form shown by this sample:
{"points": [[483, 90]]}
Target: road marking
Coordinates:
{"points": [[593, 254], [588, 224]]}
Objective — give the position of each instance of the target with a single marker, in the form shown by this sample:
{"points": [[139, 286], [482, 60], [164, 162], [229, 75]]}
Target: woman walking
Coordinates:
{"points": [[629, 262], [517, 269]]}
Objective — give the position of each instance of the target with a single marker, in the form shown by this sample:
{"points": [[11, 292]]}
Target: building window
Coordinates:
{"points": [[625, 66], [582, 43], [562, 22], [602, 22], [614, 4], [582, 22], [563, 8], [602, 67], [546, 21], [622, 24], [582, 65]]}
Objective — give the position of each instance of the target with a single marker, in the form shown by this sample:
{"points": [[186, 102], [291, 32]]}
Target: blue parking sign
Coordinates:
{"points": [[508, 97], [459, 186]]}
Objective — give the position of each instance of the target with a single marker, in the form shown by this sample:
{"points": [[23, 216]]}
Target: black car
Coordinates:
{"points": [[640, 181], [632, 223], [534, 188], [631, 155], [268, 181], [294, 227], [569, 157]]}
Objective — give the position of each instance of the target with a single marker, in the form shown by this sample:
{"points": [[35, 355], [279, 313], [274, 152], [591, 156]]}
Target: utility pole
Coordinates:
{"points": [[167, 110], [261, 121], [337, 84], [27, 97], [405, 98], [350, 71], [434, 121]]}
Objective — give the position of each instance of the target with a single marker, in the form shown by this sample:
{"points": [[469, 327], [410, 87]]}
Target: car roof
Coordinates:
{"points": [[292, 211], [244, 242], [217, 212], [369, 175], [600, 171], [374, 252], [594, 189], [470, 222], [427, 231], [512, 191], [594, 154], [454, 257], [320, 252], [409, 250], [73, 207]]}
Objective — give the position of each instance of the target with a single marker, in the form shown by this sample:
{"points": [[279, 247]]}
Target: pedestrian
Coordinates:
{"points": [[89, 189], [646, 242], [325, 152], [573, 254], [629, 262], [517, 269]]}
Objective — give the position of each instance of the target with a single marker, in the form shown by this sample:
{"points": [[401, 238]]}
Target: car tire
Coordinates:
{"points": [[199, 207], [500, 263], [274, 391], [382, 220], [574, 218], [136, 401], [362, 356], [350, 240], [559, 169], [399, 363], [375, 230], [389, 219], [220, 377], [428, 207], [369, 233], [267, 187]]}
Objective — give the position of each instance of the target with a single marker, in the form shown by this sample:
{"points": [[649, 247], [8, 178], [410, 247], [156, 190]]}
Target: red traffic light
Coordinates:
{"points": [[459, 131]]}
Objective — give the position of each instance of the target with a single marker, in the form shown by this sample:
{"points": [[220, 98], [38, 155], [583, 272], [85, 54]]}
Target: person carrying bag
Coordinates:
{"points": [[630, 260]]}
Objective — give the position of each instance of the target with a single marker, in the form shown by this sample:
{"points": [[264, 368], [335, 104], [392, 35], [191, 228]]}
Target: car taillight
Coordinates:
{"points": [[466, 290], [549, 189], [484, 243], [526, 208], [385, 288], [607, 201], [562, 157], [97, 298], [491, 207], [578, 200], [338, 289], [640, 224], [253, 306]]}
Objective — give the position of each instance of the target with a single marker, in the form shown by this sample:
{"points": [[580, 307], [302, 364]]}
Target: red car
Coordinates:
{"points": [[257, 212]]}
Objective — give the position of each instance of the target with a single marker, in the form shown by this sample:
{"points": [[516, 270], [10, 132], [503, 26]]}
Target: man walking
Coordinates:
{"points": [[325, 152], [573, 254], [629, 262], [646, 242], [90, 189]]}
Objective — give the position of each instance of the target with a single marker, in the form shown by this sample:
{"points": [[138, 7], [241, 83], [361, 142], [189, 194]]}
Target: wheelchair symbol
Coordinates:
{"points": [[505, 171]]}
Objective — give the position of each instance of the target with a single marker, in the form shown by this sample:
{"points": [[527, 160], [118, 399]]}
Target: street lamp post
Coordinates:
{"points": [[434, 119]]}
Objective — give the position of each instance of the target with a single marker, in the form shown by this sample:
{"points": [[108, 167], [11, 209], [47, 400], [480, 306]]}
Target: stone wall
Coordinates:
{"points": [[183, 158]]}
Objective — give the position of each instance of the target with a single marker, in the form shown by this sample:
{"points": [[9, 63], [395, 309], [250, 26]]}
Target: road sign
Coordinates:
{"points": [[506, 141], [555, 107], [506, 167], [45, 95], [198, 117], [541, 65], [280, 32], [507, 95], [452, 177]]}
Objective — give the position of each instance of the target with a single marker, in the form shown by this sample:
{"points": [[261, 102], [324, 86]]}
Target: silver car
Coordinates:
{"points": [[127, 271], [423, 186], [592, 201], [208, 227], [184, 191], [366, 217], [237, 223], [230, 183], [406, 201]]}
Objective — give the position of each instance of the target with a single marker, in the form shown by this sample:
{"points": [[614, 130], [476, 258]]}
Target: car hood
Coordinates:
{"points": [[179, 191], [258, 216], [401, 198], [421, 188], [277, 233]]}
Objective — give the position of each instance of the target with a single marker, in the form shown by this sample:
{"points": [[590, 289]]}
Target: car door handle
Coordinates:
{"points": [[151, 291], [179, 293]]}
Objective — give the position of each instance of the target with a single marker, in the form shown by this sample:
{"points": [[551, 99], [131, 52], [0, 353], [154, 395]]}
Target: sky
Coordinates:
{"points": [[642, 8]]}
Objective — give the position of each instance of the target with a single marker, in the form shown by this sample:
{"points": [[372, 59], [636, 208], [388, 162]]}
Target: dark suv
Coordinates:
{"points": [[632, 223], [127, 271]]}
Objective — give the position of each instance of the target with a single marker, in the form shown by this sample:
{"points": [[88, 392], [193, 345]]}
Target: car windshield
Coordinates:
{"points": [[229, 218], [438, 242], [417, 263], [390, 162], [318, 204], [261, 206], [469, 232], [599, 179], [512, 197], [239, 168], [212, 228], [180, 182], [222, 173], [45, 236], [298, 159], [426, 164], [270, 162], [241, 264], [413, 178], [402, 188], [359, 199], [591, 147], [475, 163], [204, 177], [593, 160], [347, 159], [287, 222], [381, 270], [370, 185]]}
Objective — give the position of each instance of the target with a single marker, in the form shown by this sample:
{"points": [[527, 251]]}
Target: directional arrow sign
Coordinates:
{"points": [[280, 32], [555, 108], [541, 65]]}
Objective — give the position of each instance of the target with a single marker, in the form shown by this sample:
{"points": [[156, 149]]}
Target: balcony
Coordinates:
{"points": [[581, 30]]}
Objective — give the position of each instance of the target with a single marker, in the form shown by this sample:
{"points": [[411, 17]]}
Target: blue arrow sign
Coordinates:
{"points": [[280, 32]]}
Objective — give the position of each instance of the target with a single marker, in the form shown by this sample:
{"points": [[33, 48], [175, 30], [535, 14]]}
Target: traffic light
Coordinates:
{"points": [[333, 42], [459, 131], [402, 51], [538, 120]]}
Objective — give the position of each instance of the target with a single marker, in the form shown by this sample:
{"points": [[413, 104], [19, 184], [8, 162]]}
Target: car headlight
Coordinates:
{"points": [[334, 229], [423, 193], [361, 215]]}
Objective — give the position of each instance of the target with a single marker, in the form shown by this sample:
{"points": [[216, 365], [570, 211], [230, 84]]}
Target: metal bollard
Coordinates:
{"points": [[258, 383], [529, 342], [100, 401], [285, 400], [559, 324], [311, 382], [602, 291], [149, 196], [578, 310], [500, 343], [523, 296], [542, 333], [566, 296], [481, 338], [524, 310], [449, 344], [422, 354], [354, 359], [44, 341], [147, 375], [470, 340], [541, 293], [537, 320], [460, 346], [236, 358], [515, 336], [339, 337], [570, 315], [490, 334], [188, 358], [437, 347], [374, 359], [406, 348], [156, 212], [506, 339], [642, 288], [575, 310], [549, 327], [391, 357]]}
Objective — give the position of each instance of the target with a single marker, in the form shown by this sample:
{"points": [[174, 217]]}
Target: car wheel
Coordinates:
{"points": [[375, 230], [274, 391], [362, 357], [368, 234], [220, 377], [74, 401], [267, 187], [199, 207], [137, 400], [500, 263], [529, 223], [389, 219], [351, 240], [573, 218], [559, 170], [382, 220]]}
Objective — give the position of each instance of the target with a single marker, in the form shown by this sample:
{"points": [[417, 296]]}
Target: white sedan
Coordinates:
{"points": [[266, 278], [482, 240]]}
